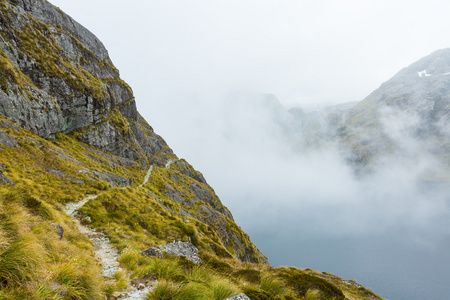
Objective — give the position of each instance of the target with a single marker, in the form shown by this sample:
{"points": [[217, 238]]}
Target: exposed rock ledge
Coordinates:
{"points": [[239, 297], [186, 249]]}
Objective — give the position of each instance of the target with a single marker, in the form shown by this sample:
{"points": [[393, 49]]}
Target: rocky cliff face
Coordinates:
{"points": [[57, 78]]}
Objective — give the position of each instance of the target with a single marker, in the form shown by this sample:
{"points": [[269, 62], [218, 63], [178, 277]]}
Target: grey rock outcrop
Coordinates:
{"points": [[59, 230], [56, 172], [43, 117], [207, 196], [113, 179], [185, 249], [187, 170], [153, 251], [6, 140], [239, 297], [115, 296], [5, 180]]}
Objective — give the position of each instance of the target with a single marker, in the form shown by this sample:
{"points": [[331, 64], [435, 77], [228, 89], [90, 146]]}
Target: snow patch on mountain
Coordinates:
{"points": [[423, 73]]}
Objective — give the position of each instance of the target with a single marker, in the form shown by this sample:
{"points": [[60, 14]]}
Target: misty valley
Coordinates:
{"points": [[358, 189]]}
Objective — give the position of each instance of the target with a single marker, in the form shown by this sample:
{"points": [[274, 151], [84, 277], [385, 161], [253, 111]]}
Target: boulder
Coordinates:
{"points": [[153, 251], [5, 180], [6, 140], [239, 297], [186, 249], [143, 281], [59, 230], [115, 296]]}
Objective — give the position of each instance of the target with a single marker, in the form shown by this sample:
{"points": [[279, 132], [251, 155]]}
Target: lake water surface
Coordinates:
{"points": [[388, 265]]}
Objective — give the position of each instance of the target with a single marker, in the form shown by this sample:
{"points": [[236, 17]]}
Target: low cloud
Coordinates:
{"points": [[245, 145], [308, 208]]}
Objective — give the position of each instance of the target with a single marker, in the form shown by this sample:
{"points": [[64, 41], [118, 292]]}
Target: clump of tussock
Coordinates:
{"points": [[19, 261]]}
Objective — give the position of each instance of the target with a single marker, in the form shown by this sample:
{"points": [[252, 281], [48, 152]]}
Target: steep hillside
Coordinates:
{"points": [[56, 83], [408, 114], [70, 131]]}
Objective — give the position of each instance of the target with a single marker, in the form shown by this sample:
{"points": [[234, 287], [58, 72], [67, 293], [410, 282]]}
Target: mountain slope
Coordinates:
{"points": [[413, 107], [56, 83], [69, 129], [407, 116]]}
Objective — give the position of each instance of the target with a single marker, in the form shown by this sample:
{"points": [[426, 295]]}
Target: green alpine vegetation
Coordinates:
{"points": [[35, 263]]}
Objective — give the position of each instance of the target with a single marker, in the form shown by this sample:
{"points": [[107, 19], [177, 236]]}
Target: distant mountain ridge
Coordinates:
{"points": [[408, 114]]}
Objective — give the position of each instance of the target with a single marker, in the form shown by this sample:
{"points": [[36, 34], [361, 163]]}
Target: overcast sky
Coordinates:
{"points": [[301, 51]]}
